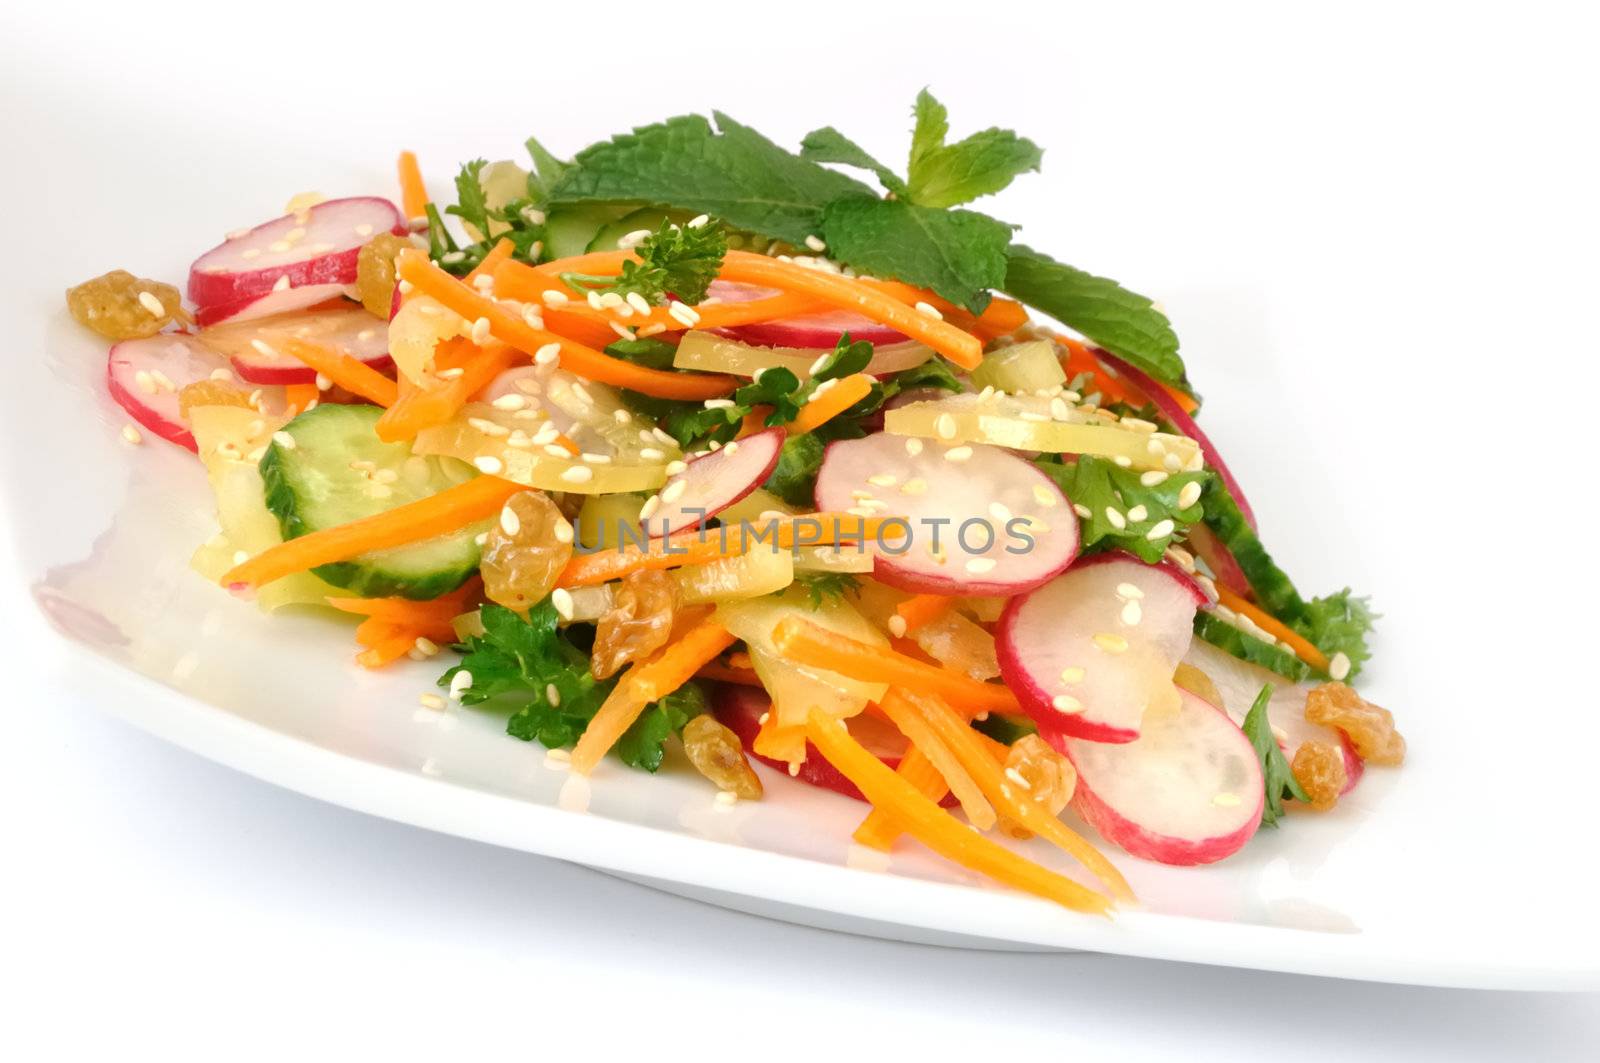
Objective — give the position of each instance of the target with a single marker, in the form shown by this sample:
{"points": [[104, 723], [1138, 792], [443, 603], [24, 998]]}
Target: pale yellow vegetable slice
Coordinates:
{"points": [[761, 570], [708, 352], [845, 559], [1022, 368], [421, 325], [484, 436]]}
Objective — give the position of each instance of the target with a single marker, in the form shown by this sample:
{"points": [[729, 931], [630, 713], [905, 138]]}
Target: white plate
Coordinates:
{"points": [[1456, 870]]}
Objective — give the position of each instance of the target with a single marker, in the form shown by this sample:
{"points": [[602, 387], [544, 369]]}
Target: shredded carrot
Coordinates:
{"points": [[968, 747], [374, 630], [449, 510], [299, 397], [980, 813], [491, 260], [412, 611], [698, 546], [347, 372], [585, 361], [825, 405], [924, 609], [1302, 646], [930, 825], [808, 643], [1001, 316], [390, 648], [960, 347], [413, 193], [879, 829], [424, 407], [644, 683], [754, 421]]}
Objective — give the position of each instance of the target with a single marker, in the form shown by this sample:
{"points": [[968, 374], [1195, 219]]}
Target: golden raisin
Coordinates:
{"points": [[638, 623], [715, 752], [111, 305], [1369, 728], [210, 393], [375, 272], [525, 551], [1319, 769], [1046, 776]]}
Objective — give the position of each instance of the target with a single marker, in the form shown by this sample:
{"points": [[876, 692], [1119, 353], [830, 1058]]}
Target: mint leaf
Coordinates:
{"points": [[1339, 623], [1280, 781], [829, 145], [958, 253], [547, 170], [733, 173], [946, 175], [643, 744], [1125, 323], [1099, 485]]}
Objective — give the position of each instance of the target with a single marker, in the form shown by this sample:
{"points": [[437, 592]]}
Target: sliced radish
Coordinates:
{"points": [[1238, 682], [349, 330], [145, 376], [282, 301], [1219, 559], [710, 484], [1163, 401], [1091, 653], [817, 331], [740, 709], [981, 520], [318, 246], [1188, 791]]}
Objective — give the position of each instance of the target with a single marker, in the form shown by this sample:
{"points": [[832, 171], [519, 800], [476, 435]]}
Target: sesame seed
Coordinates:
{"points": [[406, 287], [1189, 494], [958, 454], [452, 257], [152, 304], [430, 701], [281, 284], [1138, 513], [1066, 703], [1111, 643], [488, 463], [250, 253], [1122, 461], [221, 374], [578, 474], [684, 314], [552, 297], [979, 566], [1115, 519], [675, 467], [1032, 417], [1138, 424], [629, 241], [145, 382], [563, 532], [1081, 510], [1044, 496], [560, 756], [719, 404], [732, 447], [132, 435], [549, 354], [913, 446], [1183, 558], [914, 486], [552, 695], [999, 512], [726, 798], [1225, 800], [930, 310], [1160, 530], [1072, 675], [480, 331], [698, 220], [1132, 614], [510, 523], [623, 331], [323, 383], [1129, 591], [1172, 463], [509, 402], [815, 243], [1059, 409], [882, 479], [818, 365], [897, 626], [561, 598], [1153, 478], [945, 426], [1339, 666], [425, 646], [674, 491], [650, 506], [532, 317], [459, 683], [650, 454], [555, 450]]}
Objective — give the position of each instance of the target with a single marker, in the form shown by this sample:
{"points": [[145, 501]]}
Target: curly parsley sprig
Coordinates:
{"points": [[679, 261]]}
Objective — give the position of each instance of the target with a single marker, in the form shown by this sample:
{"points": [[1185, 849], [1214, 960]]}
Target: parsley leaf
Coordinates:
{"points": [[829, 145], [648, 352], [822, 586], [734, 173], [1005, 729], [1098, 485], [525, 659], [794, 479], [642, 745], [472, 202], [958, 253], [680, 260], [848, 358], [945, 175], [1280, 780], [1125, 323], [1339, 623]]}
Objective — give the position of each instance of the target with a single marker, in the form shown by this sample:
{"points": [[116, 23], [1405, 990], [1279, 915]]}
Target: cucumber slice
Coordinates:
{"points": [[1247, 647], [324, 479], [643, 218], [1272, 586], [568, 230]]}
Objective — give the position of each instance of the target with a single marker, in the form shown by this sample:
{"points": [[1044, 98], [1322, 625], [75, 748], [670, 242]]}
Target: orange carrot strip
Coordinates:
{"points": [[845, 393], [413, 193], [373, 630], [427, 518], [490, 262], [960, 347], [924, 609], [644, 683], [808, 643], [754, 421], [879, 829], [347, 372], [968, 747], [698, 546], [942, 833], [980, 813], [575, 357], [389, 649], [299, 397], [589, 330], [412, 611], [424, 407], [1302, 647]]}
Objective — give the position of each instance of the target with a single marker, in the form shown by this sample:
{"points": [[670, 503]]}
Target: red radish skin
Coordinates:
{"points": [[740, 709], [711, 483], [1189, 791], [284, 301], [1206, 546], [1185, 425], [989, 494], [348, 329], [1049, 645], [318, 246], [813, 331], [180, 360]]}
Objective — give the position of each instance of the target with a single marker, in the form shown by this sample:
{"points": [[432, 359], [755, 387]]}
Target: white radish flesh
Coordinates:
{"points": [[145, 376], [315, 246], [1188, 791], [252, 308], [981, 520], [710, 484], [254, 346], [1091, 654]]}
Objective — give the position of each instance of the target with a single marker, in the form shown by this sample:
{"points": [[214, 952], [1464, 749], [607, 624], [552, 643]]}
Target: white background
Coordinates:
{"points": [[1292, 182]]}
